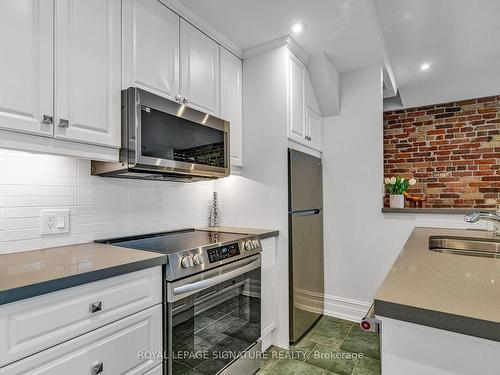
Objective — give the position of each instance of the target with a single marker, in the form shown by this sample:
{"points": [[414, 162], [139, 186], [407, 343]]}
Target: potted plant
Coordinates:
{"points": [[396, 186]]}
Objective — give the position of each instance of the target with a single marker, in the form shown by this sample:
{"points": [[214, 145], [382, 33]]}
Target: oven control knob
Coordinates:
{"points": [[186, 262], [248, 245], [197, 259], [255, 244]]}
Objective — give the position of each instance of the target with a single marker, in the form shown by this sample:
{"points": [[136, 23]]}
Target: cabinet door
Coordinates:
{"points": [[116, 348], [310, 99], [199, 69], [26, 65], [231, 101], [296, 126], [150, 47], [313, 129], [87, 71]]}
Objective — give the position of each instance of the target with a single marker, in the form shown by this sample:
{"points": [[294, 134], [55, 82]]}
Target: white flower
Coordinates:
{"points": [[387, 180], [402, 179], [413, 182], [392, 180]]}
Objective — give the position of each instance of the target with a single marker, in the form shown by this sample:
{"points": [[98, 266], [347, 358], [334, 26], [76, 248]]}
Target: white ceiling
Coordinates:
{"points": [[460, 38], [347, 30]]}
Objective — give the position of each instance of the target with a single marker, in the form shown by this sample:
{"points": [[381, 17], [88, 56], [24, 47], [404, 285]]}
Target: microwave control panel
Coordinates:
{"points": [[224, 252]]}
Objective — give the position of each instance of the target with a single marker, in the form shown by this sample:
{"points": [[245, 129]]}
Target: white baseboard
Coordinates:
{"points": [[345, 308], [337, 307]]}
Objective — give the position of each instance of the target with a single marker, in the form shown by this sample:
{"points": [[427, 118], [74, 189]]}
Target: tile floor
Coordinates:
{"points": [[333, 346]]}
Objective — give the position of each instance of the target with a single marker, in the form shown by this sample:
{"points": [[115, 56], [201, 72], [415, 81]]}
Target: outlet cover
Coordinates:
{"points": [[54, 221]]}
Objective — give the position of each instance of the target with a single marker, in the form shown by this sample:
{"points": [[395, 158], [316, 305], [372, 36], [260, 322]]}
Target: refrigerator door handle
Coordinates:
{"points": [[315, 211]]}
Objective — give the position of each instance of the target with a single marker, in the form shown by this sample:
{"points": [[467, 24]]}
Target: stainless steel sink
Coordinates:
{"points": [[478, 247]]}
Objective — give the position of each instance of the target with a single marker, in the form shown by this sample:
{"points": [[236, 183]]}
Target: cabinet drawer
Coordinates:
{"points": [[116, 348], [38, 323]]}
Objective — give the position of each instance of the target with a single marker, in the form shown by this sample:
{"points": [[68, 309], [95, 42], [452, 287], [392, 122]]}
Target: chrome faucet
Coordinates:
{"points": [[476, 216]]}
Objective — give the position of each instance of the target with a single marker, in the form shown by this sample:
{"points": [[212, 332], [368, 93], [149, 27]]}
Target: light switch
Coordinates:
{"points": [[60, 222]]}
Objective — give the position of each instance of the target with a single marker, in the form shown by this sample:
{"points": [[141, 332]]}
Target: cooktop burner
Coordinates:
{"points": [[191, 251], [173, 242]]}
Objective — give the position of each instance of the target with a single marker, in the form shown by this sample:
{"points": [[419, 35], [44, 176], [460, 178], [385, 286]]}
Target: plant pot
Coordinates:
{"points": [[397, 201]]}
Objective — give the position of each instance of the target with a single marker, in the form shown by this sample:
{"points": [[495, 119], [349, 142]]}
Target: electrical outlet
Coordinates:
{"points": [[55, 221]]}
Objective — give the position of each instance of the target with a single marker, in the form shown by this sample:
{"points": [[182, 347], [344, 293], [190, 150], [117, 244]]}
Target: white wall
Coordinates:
{"points": [[100, 207], [258, 198], [360, 243]]}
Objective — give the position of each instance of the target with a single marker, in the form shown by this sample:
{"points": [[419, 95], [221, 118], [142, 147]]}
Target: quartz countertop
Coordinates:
{"points": [[452, 292], [262, 233], [31, 273]]}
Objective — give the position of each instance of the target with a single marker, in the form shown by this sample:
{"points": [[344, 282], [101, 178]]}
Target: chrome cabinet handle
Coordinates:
{"points": [[185, 100], [95, 307], [178, 98], [47, 120], [97, 369], [63, 123]]}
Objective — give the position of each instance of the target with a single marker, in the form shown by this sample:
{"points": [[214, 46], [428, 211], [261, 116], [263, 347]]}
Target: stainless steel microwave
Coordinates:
{"points": [[166, 140]]}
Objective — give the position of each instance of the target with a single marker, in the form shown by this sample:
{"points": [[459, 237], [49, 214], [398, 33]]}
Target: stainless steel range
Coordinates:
{"points": [[212, 299]]}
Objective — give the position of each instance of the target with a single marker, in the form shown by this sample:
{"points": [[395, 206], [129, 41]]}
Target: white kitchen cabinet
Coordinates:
{"points": [[116, 348], [304, 120], [26, 66], [313, 126], [231, 102], [88, 71], [40, 322], [199, 66], [150, 47], [268, 313], [296, 99]]}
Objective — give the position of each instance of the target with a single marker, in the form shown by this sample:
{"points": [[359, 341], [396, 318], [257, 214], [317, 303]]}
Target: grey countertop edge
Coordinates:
{"points": [[436, 319], [270, 234], [33, 290], [449, 211]]}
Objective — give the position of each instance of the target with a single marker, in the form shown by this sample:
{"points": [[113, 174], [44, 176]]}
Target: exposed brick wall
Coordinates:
{"points": [[452, 149]]}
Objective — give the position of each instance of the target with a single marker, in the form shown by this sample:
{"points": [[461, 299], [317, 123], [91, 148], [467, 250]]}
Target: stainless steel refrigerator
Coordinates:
{"points": [[305, 220]]}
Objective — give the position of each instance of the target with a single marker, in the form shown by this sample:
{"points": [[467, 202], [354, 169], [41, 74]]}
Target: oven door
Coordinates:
{"points": [[169, 137], [213, 320]]}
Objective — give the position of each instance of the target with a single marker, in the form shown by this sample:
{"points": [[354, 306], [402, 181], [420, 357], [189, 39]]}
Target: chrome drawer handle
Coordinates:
{"points": [[97, 369], [47, 120], [63, 123], [95, 307]]}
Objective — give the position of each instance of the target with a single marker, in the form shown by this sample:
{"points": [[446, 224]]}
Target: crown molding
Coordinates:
{"points": [[286, 40]]}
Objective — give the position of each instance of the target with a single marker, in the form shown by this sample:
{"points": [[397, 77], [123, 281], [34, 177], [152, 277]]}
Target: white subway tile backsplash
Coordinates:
{"points": [[99, 207]]}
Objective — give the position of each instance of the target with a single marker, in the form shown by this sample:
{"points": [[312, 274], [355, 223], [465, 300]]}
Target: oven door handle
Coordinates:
{"points": [[203, 284]]}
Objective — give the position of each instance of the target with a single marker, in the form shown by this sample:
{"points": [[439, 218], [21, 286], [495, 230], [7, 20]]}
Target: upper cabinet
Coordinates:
{"points": [[199, 65], [74, 96], [304, 119], [150, 47], [231, 101], [87, 71], [26, 66]]}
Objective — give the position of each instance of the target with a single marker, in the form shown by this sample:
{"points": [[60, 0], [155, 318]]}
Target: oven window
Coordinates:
{"points": [[213, 327], [165, 136]]}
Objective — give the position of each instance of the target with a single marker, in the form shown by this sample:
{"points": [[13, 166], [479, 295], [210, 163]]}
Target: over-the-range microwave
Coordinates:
{"points": [[166, 140]]}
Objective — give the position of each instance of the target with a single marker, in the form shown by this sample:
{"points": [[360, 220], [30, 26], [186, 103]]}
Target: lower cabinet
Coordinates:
{"points": [[117, 348]]}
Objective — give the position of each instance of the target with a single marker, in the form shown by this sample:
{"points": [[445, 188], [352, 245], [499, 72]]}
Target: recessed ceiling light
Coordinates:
{"points": [[298, 27], [425, 66]]}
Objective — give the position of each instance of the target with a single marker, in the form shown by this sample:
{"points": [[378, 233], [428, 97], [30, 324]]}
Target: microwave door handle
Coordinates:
{"points": [[199, 285]]}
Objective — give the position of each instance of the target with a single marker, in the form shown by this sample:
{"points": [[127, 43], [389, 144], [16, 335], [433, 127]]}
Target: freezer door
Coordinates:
{"points": [[306, 272], [305, 181]]}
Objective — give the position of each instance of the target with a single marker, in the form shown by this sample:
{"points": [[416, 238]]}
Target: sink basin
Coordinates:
{"points": [[478, 247]]}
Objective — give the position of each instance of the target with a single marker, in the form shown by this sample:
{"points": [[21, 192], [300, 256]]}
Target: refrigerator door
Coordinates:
{"points": [[305, 182], [306, 271]]}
